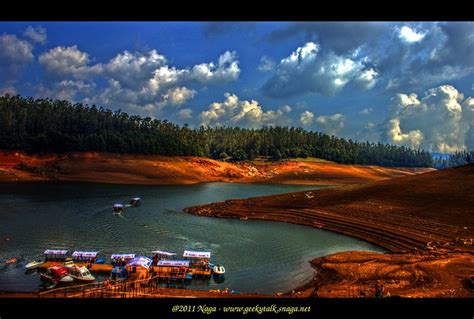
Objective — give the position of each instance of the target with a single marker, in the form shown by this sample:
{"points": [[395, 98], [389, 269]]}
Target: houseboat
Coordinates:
{"points": [[158, 255], [85, 257], [121, 259], [173, 269], [139, 267], [56, 255], [198, 262]]}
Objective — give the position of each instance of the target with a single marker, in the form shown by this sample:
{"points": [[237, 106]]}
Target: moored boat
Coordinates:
{"points": [[218, 270], [57, 275], [81, 274], [33, 265], [11, 261]]}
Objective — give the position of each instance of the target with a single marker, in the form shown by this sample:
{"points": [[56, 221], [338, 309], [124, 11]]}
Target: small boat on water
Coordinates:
{"points": [[11, 261], [57, 274], [81, 274], [136, 201], [118, 208], [218, 270], [33, 265]]}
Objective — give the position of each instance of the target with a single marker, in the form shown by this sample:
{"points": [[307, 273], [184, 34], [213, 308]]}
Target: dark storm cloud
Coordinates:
{"points": [[337, 36]]}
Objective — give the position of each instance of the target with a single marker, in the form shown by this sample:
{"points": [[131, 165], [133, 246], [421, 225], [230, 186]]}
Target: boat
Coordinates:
{"points": [[33, 265], [136, 201], [218, 270], [118, 208], [84, 256], [56, 255], [11, 261], [121, 259], [57, 275], [81, 274]]}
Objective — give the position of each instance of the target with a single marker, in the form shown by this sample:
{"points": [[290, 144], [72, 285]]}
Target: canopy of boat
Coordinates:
{"points": [[140, 261], [118, 205], [164, 253], [124, 256], [85, 254], [197, 254], [174, 263], [136, 198], [55, 252]]}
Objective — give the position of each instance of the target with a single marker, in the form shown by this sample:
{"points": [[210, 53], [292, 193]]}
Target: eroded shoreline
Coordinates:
{"points": [[424, 221]]}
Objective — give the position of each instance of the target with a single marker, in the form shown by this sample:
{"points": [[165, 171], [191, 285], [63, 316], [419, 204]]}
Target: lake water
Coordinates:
{"points": [[259, 256]]}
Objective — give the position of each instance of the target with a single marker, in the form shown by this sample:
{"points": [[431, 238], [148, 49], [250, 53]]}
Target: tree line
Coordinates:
{"points": [[47, 125]]}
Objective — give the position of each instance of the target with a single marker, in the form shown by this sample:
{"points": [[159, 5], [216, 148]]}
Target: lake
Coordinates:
{"points": [[259, 256]]}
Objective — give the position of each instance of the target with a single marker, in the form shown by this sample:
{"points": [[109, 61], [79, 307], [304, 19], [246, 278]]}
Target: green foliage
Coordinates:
{"points": [[45, 125]]}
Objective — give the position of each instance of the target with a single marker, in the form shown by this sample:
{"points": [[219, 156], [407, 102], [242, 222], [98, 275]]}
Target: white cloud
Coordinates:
{"points": [[37, 34], [179, 95], [226, 70], [266, 64], [250, 114], [14, 55], [366, 111], [309, 70], [8, 90], [409, 35], [441, 121], [306, 118], [185, 114], [330, 124], [69, 62], [65, 90]]}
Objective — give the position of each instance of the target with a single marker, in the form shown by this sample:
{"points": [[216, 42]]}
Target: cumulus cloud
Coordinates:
{"points": [[410, 35], [37, 34], [69, 62], [8, 90], [266, 64], [309, 70], [233, 111], [185, 114], [226, 70], [440, 121], [14, 55], [179, 95], [306, 118], [69, 90], [366, 111]]}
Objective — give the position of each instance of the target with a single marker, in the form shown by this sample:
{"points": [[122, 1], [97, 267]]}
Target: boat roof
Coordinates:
{"points": [[55, 252], [136, 198], [140, 261], [197, 254], [118, 205], [174, 263], [161, 252], [88, 254], [126, 256]]}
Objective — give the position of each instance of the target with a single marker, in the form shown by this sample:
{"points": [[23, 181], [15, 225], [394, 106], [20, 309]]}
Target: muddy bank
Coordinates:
{"points": [[152, 169], [417, 217]]}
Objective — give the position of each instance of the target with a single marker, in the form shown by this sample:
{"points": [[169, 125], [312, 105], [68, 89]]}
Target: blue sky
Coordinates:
{"points": [[405, 83]]}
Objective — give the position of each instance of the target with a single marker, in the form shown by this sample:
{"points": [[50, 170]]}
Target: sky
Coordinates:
{"points": [[404, 83]]}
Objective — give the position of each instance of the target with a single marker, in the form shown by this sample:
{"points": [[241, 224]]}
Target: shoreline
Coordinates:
{"points": [[423, 221], [161, 170]]}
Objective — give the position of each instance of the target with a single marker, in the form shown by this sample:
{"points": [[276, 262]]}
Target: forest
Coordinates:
{"points": [[57, 126]]}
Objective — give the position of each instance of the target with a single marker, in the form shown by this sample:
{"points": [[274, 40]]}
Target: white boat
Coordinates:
{"points": [[33, 265], [218, 270], [80, 274]]}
